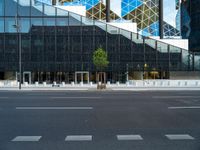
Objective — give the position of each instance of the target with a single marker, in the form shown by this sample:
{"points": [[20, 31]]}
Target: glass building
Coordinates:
{"points": [[190, 26], [146, 14], [183, 19], [57, 45], [143, 12], [193, 9], [95, 9]]}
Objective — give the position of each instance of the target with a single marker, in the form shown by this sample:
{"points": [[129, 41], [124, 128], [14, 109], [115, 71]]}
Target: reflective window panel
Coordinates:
{"points": [[24, 7], [10, 8]]}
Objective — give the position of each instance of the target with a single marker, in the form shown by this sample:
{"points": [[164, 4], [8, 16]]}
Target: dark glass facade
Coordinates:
{"points": [[190, 23], [195, 25], [57, 43]]}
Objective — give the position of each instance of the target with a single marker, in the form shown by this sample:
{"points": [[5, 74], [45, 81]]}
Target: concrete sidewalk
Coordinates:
{"points": [[132, 85], [94, 88]]}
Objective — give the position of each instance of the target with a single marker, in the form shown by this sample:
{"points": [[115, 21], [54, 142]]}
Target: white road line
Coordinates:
{"points": [[167, 97], [185, 107], [129, 137], [179, 137], [54, 108], [78, 138], [3, 97], [75, 97], [26, 138]]}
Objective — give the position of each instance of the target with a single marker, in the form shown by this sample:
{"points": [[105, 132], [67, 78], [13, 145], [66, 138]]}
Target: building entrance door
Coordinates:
{"points": [[27, 77], [82, 76]]}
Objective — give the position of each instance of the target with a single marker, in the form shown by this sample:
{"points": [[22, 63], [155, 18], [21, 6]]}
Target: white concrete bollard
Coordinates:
{"points": [[44, 84], [63, 84], [186, 83], [117, 83], [179, 83], [54, 82], [161, 83], [81, 83], [26, 83], [72, 83], [136, 83], [154, 83], [108, 83], [36, 83], [91, 83], [168, 83]]}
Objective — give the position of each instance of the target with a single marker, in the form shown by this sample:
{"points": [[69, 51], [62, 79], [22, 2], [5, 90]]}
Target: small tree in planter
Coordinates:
{"points": [[100, 60]]}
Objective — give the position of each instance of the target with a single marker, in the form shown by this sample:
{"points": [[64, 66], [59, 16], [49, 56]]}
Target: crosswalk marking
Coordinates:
{"points": [[179, 137], [78, 138], [129, 137], [26, 138]]}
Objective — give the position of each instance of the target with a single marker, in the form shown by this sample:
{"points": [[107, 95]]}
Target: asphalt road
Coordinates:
{"points": [[69, 120]]}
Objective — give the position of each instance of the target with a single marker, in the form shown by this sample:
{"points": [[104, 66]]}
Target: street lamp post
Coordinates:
{"points": [[145, 72], [138, 69], [18, 28], [127, 73], [161, 23]]}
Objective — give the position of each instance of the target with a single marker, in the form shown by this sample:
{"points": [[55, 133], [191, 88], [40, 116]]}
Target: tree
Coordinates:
{"points": [[100, 60]]}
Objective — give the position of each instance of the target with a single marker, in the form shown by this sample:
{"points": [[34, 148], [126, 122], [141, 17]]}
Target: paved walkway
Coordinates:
{"points": [[94, 88]]}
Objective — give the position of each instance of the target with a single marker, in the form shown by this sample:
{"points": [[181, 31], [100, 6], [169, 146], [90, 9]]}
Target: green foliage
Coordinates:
{"points": [[100, 58]]}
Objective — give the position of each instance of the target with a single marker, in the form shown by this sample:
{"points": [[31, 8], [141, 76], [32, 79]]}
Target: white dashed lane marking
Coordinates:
{"points": [[179, 137], [129, 137], [76, 97], [185, 107], [3, 97], [174, 97], [26, 138], [78, 138], [54, 108]]}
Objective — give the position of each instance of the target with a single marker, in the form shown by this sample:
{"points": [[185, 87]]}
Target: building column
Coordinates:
{"points": [[107, 10], [161, 19]]}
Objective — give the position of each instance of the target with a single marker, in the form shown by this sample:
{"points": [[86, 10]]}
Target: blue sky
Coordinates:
{"points": [[169, 11]]}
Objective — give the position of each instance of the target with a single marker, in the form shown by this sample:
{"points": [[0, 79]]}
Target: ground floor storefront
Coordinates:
{"points": [[86, 77]]}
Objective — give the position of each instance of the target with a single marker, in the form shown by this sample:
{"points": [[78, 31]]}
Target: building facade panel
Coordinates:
{"points": [[55, 46], [190, 16]]}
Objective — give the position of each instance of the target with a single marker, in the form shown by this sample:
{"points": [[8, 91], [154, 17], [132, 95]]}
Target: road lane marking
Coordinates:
{"points": [[129, 137], [179, 137], [78, 138], [3, 97], [26, 138], [75, 97], [185, 107], [54, 108], [166, 97]]}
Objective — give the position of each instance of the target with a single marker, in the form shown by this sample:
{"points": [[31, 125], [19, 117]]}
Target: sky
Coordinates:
{"points": [[170, 11]]}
